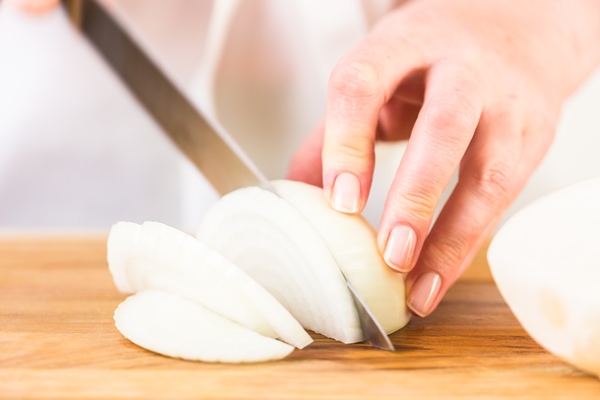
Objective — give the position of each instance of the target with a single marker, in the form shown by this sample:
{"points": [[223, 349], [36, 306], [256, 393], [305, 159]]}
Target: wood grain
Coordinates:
{"points": [[57, 340]]}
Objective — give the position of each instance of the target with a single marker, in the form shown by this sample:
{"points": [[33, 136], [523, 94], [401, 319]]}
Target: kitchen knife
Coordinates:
{"points": [[205, 143]]}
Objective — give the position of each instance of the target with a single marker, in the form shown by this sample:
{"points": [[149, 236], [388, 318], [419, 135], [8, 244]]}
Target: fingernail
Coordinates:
{"points": [[423, 293], [400, 248], [346, 193]]}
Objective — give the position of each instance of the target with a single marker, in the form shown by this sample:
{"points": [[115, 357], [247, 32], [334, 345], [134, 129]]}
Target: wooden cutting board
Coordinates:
{"points": [[57, 340]]}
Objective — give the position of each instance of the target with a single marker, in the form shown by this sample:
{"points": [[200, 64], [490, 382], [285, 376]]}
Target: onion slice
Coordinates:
{"points": [[156, 256], [174, 326], [295, 246]]}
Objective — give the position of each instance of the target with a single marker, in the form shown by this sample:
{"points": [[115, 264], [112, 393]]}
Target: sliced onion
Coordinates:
{"points": [[353, 243], [174, 326], [292, 245], [546, 262], [155, 256]]}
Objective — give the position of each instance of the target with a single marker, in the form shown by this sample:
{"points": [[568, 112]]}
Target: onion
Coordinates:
{"points": [[546, 262], [177, 327], [155, 256], [295, 246], [258, 256]]}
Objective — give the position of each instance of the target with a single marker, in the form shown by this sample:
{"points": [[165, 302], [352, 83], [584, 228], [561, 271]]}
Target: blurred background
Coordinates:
{"points": [[78, 153]]}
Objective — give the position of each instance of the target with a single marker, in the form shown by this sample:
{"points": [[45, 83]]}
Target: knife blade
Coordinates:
{"points": [[205, 144], [203, 141]]}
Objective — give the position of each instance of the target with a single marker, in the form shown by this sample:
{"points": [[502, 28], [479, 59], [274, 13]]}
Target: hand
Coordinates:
{"points": [[478, 87], [35, 6]]}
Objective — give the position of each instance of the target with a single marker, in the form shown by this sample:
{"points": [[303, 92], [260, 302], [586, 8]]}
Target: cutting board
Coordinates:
{"points": [[57, 340]]}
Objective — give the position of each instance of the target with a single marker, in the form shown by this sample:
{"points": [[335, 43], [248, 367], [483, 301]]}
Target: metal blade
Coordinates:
{"points": [[207, 145], [372, 331]]}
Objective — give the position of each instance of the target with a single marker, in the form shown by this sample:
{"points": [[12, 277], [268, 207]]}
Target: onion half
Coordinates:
{"points": [[546, 263]]}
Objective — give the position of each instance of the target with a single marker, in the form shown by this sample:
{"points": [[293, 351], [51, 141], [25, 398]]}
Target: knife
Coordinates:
{"points": [[204, 142]]}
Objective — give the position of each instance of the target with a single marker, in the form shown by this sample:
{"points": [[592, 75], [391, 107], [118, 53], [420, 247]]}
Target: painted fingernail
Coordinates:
{"points": [[346, 193], [400, 248], [423, 293]]}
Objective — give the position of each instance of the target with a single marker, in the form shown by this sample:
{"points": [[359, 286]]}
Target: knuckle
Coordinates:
{"points": [[453, 117], [420, 205], [353, 149], [355, 79], [448, 254], [492, 181]]}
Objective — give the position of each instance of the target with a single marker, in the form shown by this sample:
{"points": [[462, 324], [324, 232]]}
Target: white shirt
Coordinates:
{"points": [[76, 150]]}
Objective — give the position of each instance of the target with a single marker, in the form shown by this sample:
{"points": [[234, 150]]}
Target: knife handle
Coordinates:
{"points": [[74, 9]]}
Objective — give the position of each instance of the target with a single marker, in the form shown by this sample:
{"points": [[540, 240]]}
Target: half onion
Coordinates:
{"points": [[546, 262]]}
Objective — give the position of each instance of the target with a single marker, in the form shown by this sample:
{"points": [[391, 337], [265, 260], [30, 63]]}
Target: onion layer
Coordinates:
{"points": [[174, 326]]}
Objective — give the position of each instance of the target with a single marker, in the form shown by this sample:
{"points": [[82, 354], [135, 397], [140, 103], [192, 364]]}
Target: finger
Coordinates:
{"points": [[442, 132], [484, 190], [537, 139], [534, 144], [360, 85], [306, 164]]}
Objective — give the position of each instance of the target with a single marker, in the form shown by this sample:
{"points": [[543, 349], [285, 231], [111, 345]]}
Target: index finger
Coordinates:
{"points": [[359, 87]]}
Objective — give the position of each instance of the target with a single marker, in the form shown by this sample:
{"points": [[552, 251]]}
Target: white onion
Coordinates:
{"points": [[295, 246], [174, 326], [155, 256], [258, 254], [546, 262]]}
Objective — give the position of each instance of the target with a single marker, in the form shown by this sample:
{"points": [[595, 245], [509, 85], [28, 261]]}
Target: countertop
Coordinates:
{"points": [[58, 340]]}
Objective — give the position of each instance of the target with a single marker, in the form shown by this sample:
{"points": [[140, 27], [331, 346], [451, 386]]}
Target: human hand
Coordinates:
{"points": [[35, 6], [478, 87]]}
